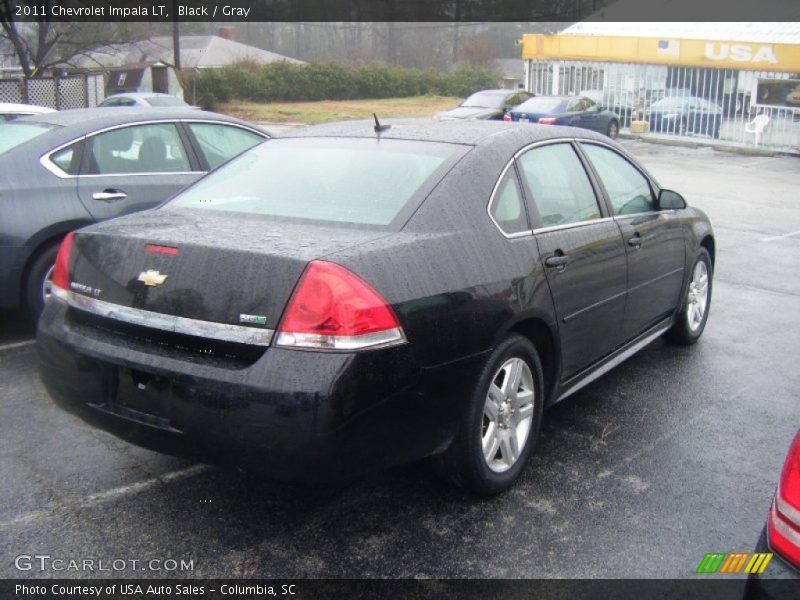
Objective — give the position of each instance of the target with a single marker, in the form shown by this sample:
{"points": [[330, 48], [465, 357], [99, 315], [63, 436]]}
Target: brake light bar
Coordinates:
{"points": [[158, 249], [547, 121]]}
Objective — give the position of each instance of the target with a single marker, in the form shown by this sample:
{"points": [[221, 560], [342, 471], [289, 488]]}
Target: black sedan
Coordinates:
{"points": [[780, 540], [348, 298], [486, 105], [63, 170], [575, 111], [684, 114]]}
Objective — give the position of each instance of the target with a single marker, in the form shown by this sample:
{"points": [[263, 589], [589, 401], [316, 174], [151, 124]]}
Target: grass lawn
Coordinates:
{"points": [[338, 110]]}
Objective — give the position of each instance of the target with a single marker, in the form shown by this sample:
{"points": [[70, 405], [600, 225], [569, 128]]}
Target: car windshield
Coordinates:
{"points": [[541, 104], [671, 103], [361, 181], [13, 134], [164, 101], [485, 100]]}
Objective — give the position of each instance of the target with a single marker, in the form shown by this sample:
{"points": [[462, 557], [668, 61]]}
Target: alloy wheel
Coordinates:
{"points": [[697, 300], [507, 415]]}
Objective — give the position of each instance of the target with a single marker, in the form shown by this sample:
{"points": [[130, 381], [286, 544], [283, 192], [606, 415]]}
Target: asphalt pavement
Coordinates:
{"points": [[673, 454]]}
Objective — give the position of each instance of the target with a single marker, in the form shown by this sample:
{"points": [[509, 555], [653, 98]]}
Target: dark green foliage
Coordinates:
{"points": [[287, 82]]}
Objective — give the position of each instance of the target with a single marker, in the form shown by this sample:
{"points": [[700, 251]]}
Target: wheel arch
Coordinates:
{"points": [[708, 243], [41, 242], [542, 335]]}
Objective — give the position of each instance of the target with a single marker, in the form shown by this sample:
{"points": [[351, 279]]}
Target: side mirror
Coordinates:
{"points": [[669, 200]]}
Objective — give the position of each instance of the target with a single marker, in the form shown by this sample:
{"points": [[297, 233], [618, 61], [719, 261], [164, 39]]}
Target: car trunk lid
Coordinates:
{"points": [[233, 269]]}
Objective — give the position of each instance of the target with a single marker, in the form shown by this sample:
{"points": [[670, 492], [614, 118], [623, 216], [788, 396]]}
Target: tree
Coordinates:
{"points": [[42, 43]]}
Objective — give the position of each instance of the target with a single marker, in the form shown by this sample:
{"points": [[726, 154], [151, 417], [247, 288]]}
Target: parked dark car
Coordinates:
{"points": [[685, 114], [341, 299], [781, 536], [575, 111], [486, 105], [64, 170]]}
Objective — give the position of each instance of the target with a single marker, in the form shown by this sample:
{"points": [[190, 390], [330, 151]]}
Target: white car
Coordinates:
{"points": [[9, 112], [145, 99]]}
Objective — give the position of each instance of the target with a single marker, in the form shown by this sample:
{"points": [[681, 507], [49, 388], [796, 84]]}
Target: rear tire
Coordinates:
{"points": [[693, 315], [499, 431], [613, 130], [36, 282]]}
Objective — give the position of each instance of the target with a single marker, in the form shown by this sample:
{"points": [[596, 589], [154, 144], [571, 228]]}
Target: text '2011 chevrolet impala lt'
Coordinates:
{"points": [[352, 297]]}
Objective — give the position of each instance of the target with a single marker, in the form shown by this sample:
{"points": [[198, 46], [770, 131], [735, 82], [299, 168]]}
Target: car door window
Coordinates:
{"points": [[220, 143], [154, 148], [627, 188], [559, 186], [508, 207]]}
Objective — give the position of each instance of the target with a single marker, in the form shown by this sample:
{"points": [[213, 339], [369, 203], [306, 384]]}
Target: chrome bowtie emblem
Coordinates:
{"points": [[152, 278]]}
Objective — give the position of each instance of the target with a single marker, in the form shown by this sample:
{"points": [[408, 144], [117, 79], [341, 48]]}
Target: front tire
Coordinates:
{"points": [[613, 130], [500, 429], [37, 282], [691, 320]]}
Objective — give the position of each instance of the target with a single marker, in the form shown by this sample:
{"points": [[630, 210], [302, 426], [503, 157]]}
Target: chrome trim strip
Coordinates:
{"points": [[172, 323], [571, 225], [48, 164], [615, 360]]}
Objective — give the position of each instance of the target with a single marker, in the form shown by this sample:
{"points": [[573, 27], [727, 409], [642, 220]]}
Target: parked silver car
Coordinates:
{"points": [[63, 170]]}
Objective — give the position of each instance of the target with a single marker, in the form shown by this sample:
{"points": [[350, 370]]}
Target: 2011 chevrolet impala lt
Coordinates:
{"points": [[351, 297]]}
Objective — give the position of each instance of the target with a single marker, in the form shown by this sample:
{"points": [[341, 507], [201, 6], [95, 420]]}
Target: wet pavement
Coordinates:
{"points": [[673, 454]]}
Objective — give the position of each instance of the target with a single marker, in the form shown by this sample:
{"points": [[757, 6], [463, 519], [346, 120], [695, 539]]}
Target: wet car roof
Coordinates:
{"points": [[472, 133]]}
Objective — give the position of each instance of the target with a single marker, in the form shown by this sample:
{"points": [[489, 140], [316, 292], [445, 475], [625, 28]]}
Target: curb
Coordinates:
{"points": [[704, 144]]}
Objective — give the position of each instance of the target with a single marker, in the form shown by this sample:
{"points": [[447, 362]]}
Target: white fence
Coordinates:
{"points": [[60, 93], [630, 89]]}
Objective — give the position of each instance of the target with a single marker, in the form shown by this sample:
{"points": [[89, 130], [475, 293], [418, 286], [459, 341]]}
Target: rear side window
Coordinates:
{"points": [[68, 159], [561, 190], [14, 134], [508, 208], [363, 181], [220, 143], [628, 190], [153, 148]]}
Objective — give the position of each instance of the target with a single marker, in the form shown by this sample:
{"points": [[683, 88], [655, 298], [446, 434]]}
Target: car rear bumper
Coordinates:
{"points": [[298, 415], [780, 580]]}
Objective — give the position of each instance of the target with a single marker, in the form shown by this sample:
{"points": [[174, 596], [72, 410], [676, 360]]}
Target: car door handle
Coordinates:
{"points": [[110, 195], [635, 241], [559, 261]]}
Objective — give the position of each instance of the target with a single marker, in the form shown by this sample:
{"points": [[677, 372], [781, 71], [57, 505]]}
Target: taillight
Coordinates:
{"points": [[547, 121], [784, 519], [507, 117], [334, 309], [61, 271]]}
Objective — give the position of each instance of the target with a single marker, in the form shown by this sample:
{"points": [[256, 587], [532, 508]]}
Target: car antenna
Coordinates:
{"points": [[378, 127]]}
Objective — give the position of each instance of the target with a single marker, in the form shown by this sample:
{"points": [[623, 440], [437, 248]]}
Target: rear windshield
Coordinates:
{"points": [[13, 134], [164, 101], [361, 181], [485, 100], [542, 104]]}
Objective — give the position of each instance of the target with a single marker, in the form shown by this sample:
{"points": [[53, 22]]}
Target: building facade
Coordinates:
{"points": [[691, 86]]}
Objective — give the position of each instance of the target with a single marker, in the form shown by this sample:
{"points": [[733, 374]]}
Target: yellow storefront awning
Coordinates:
{"points": [[747, 56]]}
